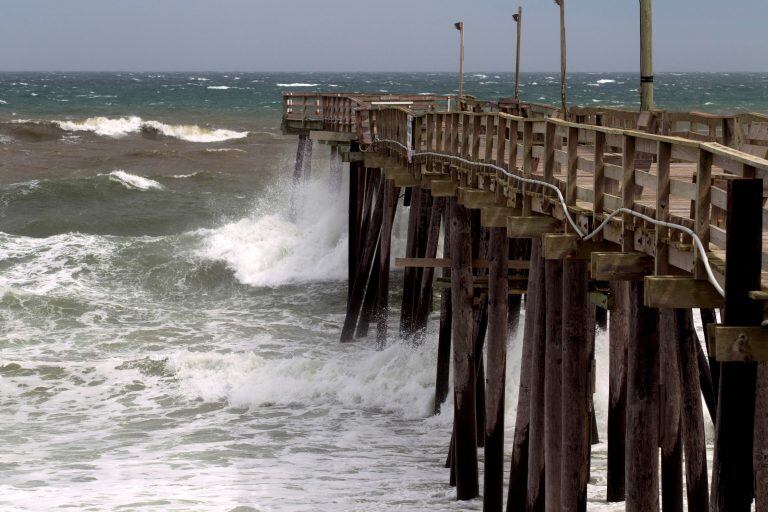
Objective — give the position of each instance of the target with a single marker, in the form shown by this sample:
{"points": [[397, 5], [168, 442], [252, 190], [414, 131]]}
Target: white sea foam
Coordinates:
{"points": [[133, 181], [298, 84], [267, 249], [606, 81], [219, 87], [122, 126], [398, 379], [3, 102]]}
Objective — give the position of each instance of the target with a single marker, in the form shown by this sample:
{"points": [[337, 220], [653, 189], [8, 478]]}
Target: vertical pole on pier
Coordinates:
{"points": [[761, 439], [646, 55], [670, 431], [465, 423], [617, 390], [498, 285], [732, 474], [553, 361], [391, 194], [355, 171], [460, 27], [519, 25], [563, 57], [535, 317], [578, 342], [642, 446], [424, 297], [298, 170], [692, 412], [444, 336], [536, 475]]}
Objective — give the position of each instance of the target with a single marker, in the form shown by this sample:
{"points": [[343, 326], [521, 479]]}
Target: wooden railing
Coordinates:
{"points": [[685, 184]]}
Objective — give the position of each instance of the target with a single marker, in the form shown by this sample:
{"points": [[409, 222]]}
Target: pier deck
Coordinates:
{"points": [[649, 215]]}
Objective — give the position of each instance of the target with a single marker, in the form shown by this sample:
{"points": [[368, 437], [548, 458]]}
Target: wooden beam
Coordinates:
{"points": [[377, 160], [352, 156], [602, 300], [473, 199], [333, 136], [446, 263], [532, 227], [745, 344], [496, 216], [443, 188], [562, 246], [680, 293], [621, 266]]}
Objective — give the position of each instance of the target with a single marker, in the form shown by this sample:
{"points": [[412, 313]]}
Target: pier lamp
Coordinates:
{"points": [[561, 4], [460, 27]]}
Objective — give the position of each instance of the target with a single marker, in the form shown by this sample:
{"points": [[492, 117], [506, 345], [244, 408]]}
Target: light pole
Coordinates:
{"points": [[646, 55], [561, 3], [460, 27], [519, 22]]}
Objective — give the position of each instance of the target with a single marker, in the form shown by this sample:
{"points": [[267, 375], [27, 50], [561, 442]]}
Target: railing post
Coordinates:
{"points": [[703, 208]]}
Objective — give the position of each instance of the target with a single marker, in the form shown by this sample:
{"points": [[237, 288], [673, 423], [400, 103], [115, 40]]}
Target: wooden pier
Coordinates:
{"points": [[649, 216]]}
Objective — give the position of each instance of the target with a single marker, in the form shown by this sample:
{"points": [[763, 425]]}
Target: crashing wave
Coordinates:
{"points": [[122, 126], [133, 181]]}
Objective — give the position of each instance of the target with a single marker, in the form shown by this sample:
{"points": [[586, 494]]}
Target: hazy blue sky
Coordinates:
{"points": [[363, 35]]}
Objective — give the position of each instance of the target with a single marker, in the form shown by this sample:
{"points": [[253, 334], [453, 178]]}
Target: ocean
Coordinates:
{"points": [[169, 337]]}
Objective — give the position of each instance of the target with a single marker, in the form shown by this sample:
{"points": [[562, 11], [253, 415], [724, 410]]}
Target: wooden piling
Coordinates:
{"points": [[391, 194], [409, 273], [670, 431], [424, 300], [553, 434], [465, 446], [498, 284], [692, 413], [535, 492], [732, 474], [444, 336], [760, 458], [355, 171], [617, 390], [642, 444], [534, 318], [576, 385], [355, 302]]}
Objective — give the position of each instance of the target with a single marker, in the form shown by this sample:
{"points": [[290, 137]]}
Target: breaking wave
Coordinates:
{"points": [[133, 181], [120, 127]]}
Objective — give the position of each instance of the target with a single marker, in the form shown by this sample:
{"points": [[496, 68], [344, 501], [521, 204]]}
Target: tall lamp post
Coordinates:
{"points": [[561, 3], [460, 27], [646, 55], [518, 22]]}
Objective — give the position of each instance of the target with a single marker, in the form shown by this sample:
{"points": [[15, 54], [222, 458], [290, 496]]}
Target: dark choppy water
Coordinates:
{"points": [[169, 338]]}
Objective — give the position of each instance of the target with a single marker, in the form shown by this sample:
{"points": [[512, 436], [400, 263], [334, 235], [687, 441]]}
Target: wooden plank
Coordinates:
{"points": [[741, 344], [443, 188], [496, 216], [378, 160], [446, 263], [473, 199], [328, 136], [680, 292], [532, 227], [621, 266], [562, 246]]}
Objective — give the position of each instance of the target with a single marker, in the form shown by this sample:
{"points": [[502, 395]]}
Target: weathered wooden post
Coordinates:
{"points": [[465, 424], [670, 432], [355, 172], [760, 459], [553, 410], [563, 60], [498, 284], [642, 444], [535, 318], [536, 447], [732, 475], [576, 385], [391, 194], [617, 390], [444, 336], [692, 413]]}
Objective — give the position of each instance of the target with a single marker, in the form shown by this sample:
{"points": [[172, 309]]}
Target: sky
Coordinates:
{"points": [[364, 35]]}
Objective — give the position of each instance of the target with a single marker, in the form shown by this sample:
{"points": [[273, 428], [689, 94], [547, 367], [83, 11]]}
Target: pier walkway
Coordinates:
{"points": [[650, 216]]}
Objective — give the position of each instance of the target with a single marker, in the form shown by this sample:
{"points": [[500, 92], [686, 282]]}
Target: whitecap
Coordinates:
{"points": [[3, 102], [480, 75], [298, 84], [122, 126], [606, 81], [133, 181], [219, 87], [194, 133]]}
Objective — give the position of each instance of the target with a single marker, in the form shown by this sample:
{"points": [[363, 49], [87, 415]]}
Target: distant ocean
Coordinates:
{"points": [[169, 337]]}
